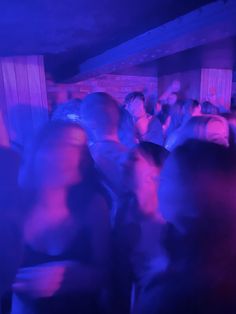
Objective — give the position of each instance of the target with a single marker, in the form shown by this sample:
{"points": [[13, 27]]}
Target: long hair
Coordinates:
{"points": [[55, 131], [129, 204], [201, 128]]}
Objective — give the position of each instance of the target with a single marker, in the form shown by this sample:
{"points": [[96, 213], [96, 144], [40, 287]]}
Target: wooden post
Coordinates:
{"points": [[216, 86], [23, 96]]}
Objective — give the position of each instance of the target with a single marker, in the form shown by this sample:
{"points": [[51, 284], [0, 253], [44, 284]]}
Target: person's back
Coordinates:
{"points": [[100, 114]]}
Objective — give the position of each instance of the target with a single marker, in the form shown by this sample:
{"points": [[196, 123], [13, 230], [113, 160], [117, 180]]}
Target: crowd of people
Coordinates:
{"points": [[121, 208]]}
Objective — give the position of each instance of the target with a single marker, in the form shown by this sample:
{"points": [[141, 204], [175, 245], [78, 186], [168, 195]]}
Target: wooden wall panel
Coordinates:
{"points": [[24, 100], [216, 86]]}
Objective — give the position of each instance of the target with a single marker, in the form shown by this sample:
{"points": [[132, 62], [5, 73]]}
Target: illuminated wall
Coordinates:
{"points": [[116, 85]]}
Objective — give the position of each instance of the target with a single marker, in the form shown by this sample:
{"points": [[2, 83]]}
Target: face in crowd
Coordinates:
{"points": [[136, 108]]}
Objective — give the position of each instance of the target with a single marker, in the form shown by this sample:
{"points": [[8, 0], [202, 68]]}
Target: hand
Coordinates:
{"points": [[40, 281]]}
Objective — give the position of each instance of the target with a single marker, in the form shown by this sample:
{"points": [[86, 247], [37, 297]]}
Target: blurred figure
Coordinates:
{"points": [[10, 219], [100, 115], [167, 107], [231, 119], [144, 127], [207, 127], [170, 94], [69, 111], [191, 108], [209, 108], [179, 118], [175, 119], [138, 224], [197, 199], [4, 137], [66, 231], [164, 117]]}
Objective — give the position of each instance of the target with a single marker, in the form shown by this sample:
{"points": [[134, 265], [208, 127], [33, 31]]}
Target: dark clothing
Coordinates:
{"points": [[75, 302], [79, 250], [178, 293], [109, 157], [136, 243], [154, 133]]}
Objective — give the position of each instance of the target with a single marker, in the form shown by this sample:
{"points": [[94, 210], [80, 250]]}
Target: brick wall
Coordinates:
{"points": [[116, 85]]}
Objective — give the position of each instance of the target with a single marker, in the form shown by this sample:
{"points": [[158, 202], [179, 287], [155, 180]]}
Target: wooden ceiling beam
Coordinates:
{"points": [[205, 25]]}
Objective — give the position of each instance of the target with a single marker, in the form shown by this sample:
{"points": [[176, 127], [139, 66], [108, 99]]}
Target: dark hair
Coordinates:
{"points": [[129, 206], [205, 174], [189, 105], [77, 194], [176, 114], [102, 110], [164, 114], [130, 97], [208, 108], [52, 131], [156, 152]]}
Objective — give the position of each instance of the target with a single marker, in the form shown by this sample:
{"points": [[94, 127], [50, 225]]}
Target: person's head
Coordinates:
{"points": [[191, 175], [197, 200], [100, 114], [59, 157], [69, 111], [208, 128], [135, 104], [143, 168], [209, 108], [191, 108], [176, 117]]}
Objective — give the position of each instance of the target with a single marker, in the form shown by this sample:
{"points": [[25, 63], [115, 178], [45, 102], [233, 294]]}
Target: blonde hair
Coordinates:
{"points": [[210, 128]]}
